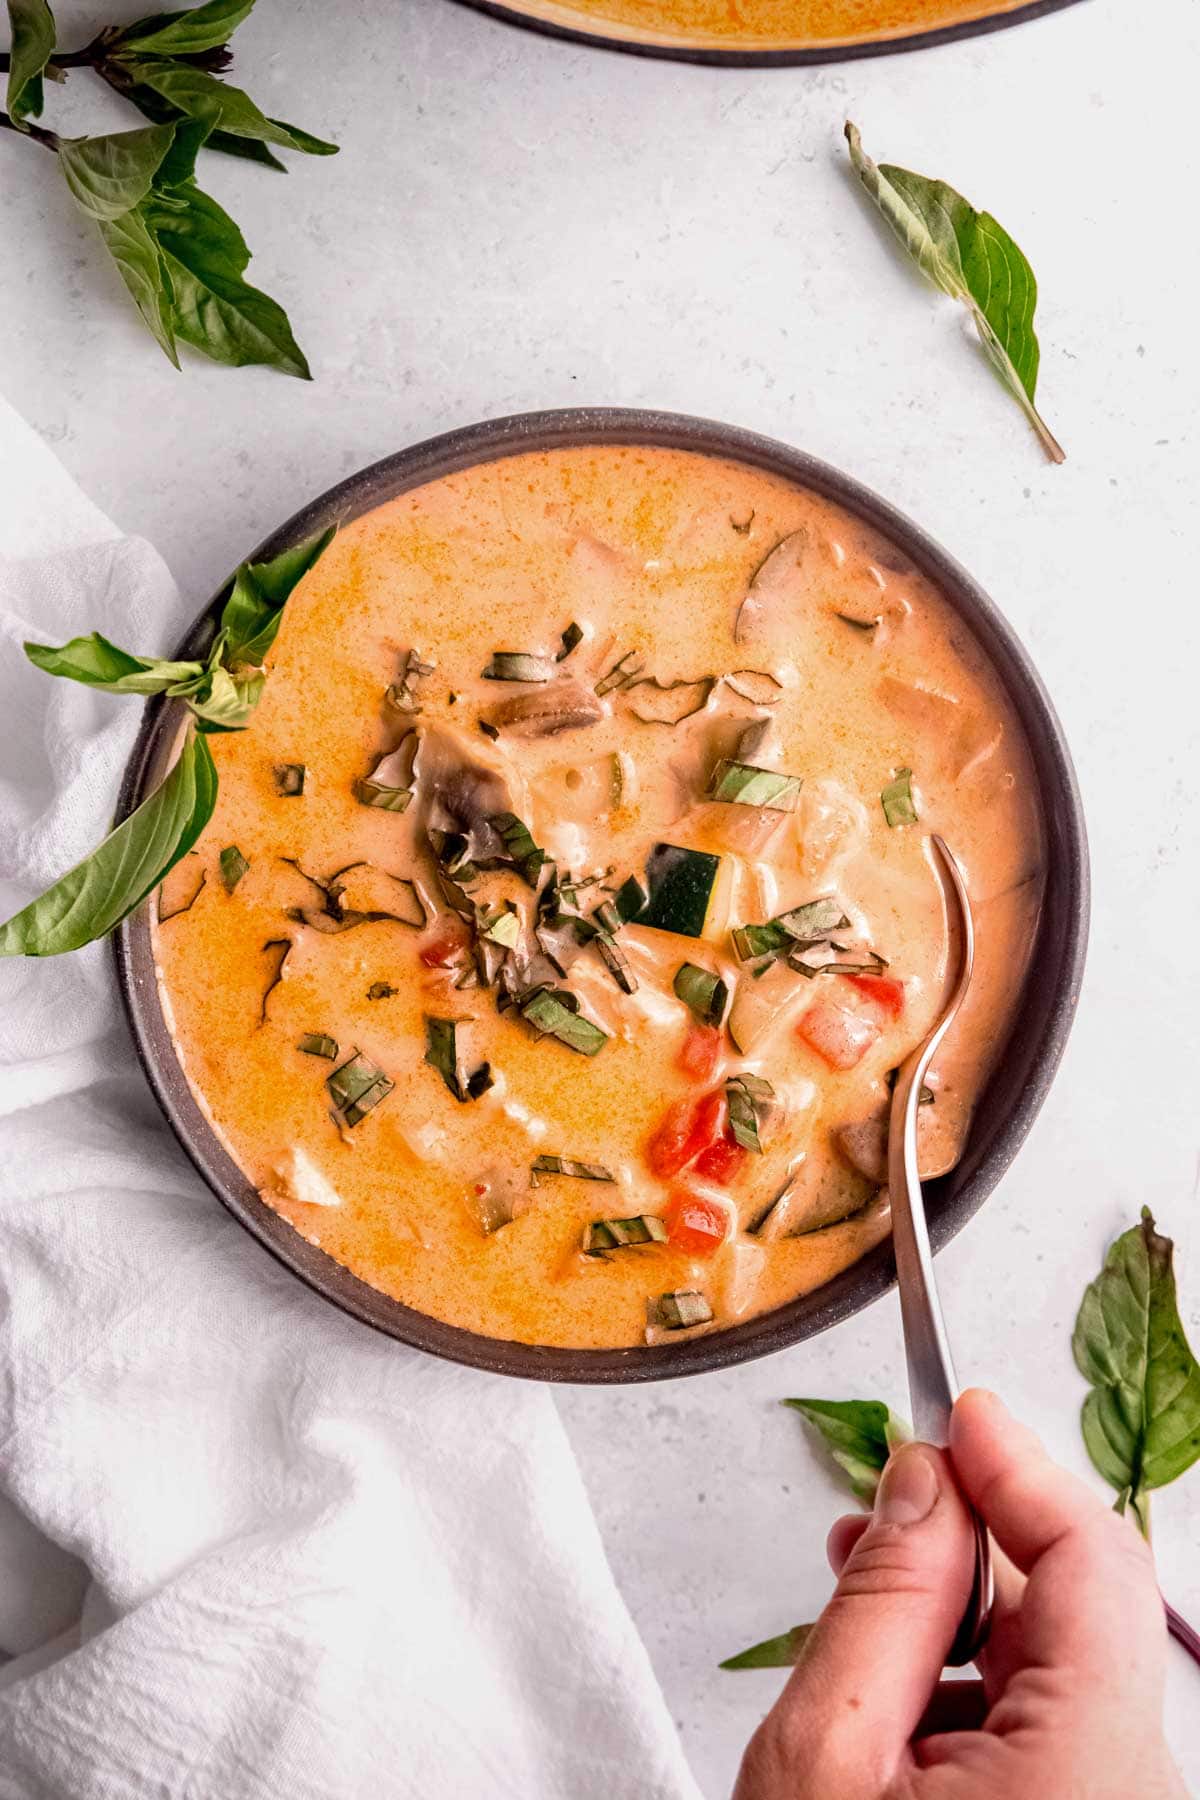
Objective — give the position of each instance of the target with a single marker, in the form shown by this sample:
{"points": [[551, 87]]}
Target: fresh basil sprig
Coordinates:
{"points": [[180, 255], [169, 66], [1141, 1421], [970, 256], [221, 692]]}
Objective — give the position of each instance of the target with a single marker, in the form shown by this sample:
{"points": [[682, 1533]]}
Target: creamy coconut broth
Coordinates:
{"points": [[767, 24], [402, 1022]]}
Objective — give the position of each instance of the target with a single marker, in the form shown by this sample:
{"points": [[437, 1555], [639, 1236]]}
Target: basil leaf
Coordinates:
{"points": [[705, 993], [899, 807], [129, 243], [32, 26], [441, 1053], [215, 310], [194, 93], [773, 1653], [860, 1435], [121, 77], [968, 255], [99, 892], [224, 702], [742, 784], [549, 1013], [97, 663], [109, 176], [251, 616], [186, 33], [1141, 1422], [751, 1101]]}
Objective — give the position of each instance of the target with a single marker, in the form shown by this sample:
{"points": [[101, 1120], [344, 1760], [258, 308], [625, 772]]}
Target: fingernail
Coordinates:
{"points": [[908, 1487]]}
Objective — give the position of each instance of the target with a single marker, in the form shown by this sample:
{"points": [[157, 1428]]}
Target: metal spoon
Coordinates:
{"points": [[932, 1384]]}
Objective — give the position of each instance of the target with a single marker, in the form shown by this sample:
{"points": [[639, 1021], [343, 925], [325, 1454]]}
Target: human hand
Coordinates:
{"points": [[1070, 1705]]}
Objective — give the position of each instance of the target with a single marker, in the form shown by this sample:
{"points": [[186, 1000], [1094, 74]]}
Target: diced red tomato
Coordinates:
{"points": [[840, 1037], [694, 1224], [687, 1128], [445, 942], [721, 1161], [883, 991], [700, 1052]]}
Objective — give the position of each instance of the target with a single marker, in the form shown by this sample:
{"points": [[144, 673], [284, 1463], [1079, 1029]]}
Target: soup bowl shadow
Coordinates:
{"points": [[1006, 1108]]}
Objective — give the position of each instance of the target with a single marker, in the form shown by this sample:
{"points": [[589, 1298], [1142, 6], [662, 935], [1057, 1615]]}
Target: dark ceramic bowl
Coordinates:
{"points": [[532, 14], [1007, 1107]]}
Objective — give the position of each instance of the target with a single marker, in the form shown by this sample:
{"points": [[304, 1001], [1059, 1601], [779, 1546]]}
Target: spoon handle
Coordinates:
{"points": [[931, 1379]]}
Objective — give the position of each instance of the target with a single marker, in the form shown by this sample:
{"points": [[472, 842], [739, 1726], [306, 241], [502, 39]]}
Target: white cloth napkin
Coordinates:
{"points": [[311, 1563]]}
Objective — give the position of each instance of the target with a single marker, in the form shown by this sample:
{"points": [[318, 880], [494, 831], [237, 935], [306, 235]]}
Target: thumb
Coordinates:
{"points": [[877, 1651]]}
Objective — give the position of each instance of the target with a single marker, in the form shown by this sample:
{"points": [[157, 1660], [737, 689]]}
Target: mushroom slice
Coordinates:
{"points": [[767, 615], [560, 706]]}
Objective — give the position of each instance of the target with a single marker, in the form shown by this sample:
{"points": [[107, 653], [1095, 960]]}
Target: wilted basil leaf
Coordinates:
{"points": [[32, 25], [99, 892], [1141, 1422], [968, 255]]}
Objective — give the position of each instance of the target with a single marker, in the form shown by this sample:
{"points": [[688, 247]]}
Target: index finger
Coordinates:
{"points": [[1092, 1601]]}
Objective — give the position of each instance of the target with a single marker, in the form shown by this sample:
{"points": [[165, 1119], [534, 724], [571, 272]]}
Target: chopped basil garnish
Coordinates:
{"points": [[676, 1311], [899, 807], [555, 1013], [618, 1234], [751, 1100], [616, 962], [502, 927], [289, 780], [389, 785], [357, 1088], [860, 624], [671, 702], [381, 990], [830, 958], [489, 730], [704, 992], [571, 638], [803, 924], [402, 693], [622, 674], [518, 842], [681, 884], [316, 1043], [566, 1165], [279, 949], [233, 867], [441, 1053], [607, 917], [744, 785], [518, 665]]}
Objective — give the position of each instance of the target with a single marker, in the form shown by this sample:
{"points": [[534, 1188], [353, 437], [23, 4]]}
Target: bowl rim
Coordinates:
{"points": [[1037, 1040], [511, 14]]}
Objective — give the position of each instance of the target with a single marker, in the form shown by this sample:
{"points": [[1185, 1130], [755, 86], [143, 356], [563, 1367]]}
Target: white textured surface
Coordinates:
{"points": [[516, 223]]}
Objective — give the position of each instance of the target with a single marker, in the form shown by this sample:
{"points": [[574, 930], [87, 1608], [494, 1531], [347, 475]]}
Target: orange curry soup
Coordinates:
{"points": [[762, 24], [568, 902]]}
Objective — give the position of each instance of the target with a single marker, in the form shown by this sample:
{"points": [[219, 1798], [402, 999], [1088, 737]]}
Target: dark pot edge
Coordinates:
{"points": [[1062, 934], [771, 59]]}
